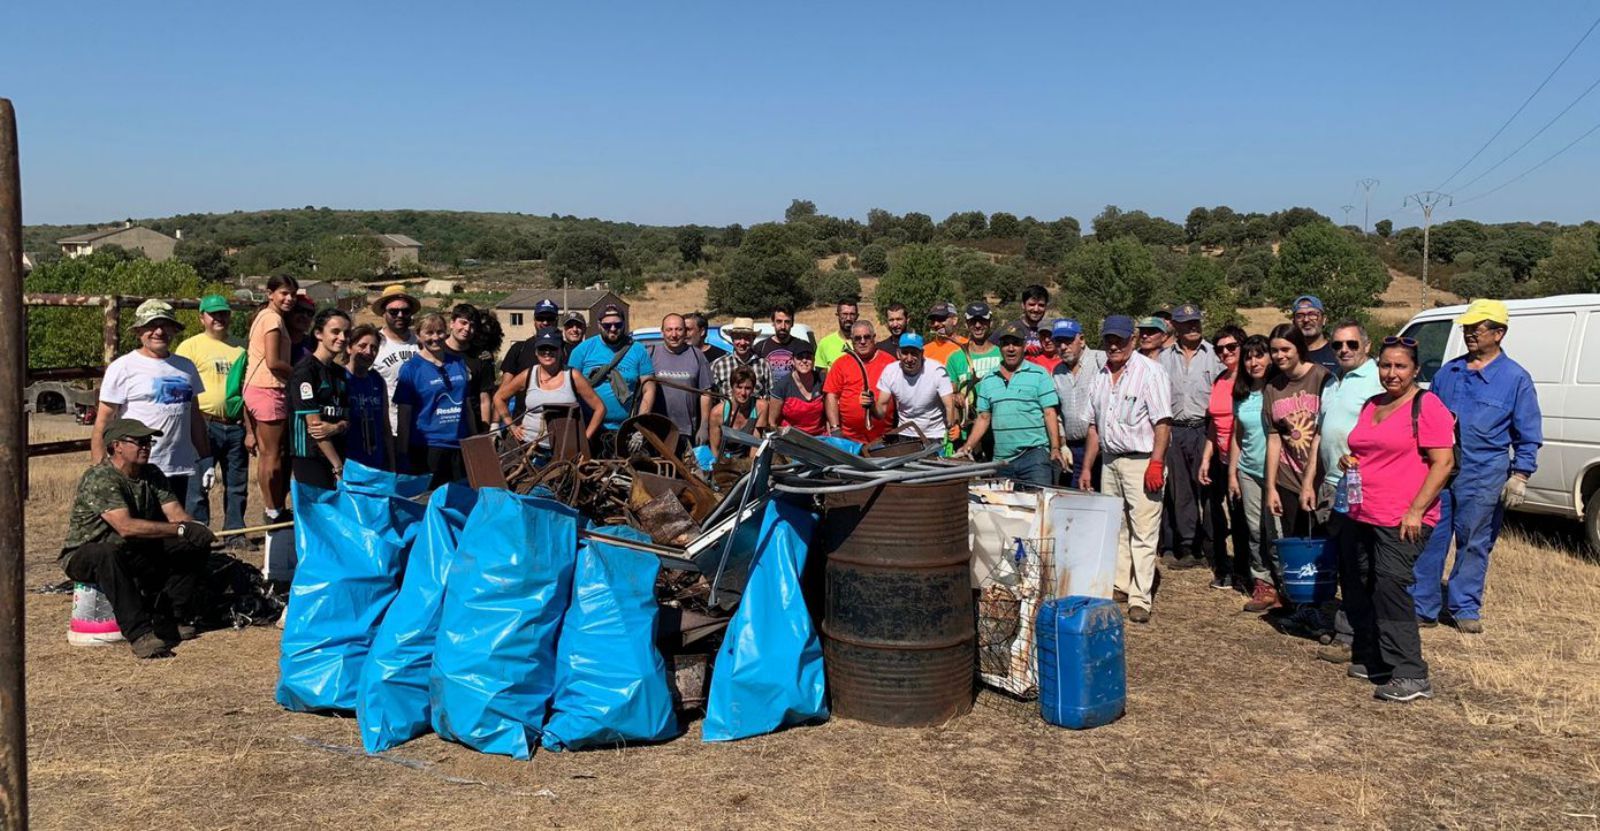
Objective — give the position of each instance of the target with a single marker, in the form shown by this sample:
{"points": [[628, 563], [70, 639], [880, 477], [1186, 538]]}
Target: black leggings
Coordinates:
{"points": [[444, 464]]}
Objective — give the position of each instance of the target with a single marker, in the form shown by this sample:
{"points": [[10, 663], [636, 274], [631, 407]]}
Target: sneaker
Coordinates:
{"points": [[1426, 623], [1367, 672], [1469, 625], [1334, 653], [1138, 614], [1404, 689], [151, 645], [1264, 597], [1119, 596], [1223, 582]]}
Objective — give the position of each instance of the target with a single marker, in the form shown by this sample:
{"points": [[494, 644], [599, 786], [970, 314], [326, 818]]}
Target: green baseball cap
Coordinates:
{"points": [[213, 303], [128, 428], [153, 310]]}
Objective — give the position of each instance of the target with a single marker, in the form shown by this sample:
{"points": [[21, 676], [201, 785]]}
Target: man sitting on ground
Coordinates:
{"points": [[129, 534]]}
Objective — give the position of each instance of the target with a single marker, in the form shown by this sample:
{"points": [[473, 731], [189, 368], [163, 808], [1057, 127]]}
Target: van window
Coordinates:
{"points": [[1542, 343], [1589, 356], [1431, 337]]}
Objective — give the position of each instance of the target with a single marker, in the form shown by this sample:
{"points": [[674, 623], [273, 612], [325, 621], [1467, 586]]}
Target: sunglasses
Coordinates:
{"points": [[862, 338], [139, 443], [547, 350], [610, 327], [1350, 345], [1409, 343], [573, 324], [401, 312], [1227, 347]]}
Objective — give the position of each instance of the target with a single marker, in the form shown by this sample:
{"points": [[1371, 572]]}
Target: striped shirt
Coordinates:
{"points": [[1125, 410], [1072, 387], [722, 373], [1016, 408]]}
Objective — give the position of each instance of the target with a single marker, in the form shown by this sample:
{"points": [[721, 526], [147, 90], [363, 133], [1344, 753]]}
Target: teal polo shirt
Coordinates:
{"points": [[1342, 400], [1016, 408]]}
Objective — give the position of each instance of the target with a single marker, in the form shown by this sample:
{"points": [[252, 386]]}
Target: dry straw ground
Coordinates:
{"points": [[1229, 724]]}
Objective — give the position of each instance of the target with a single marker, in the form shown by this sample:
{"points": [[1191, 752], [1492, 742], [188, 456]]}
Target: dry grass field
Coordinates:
{"points": [[1229, 725]]}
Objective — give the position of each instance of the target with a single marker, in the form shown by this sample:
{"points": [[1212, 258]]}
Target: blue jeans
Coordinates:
{"points": [[233, 468], [1032, 466], [1470, 514]]}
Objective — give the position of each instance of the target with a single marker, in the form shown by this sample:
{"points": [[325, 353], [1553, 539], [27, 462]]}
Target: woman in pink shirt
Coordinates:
{"points": [[1401, 445], [1213, 474]]}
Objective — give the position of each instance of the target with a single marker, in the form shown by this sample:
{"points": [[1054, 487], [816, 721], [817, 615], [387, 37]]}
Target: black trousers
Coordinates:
{"points": [[1382, 572], [1182, 531], [1227, 534], [313, 471], [152, 584], [444, 464]]}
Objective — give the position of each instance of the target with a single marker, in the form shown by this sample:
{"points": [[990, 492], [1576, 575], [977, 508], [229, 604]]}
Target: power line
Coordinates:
{"points": [[1524, 106], [1520, 176], [1540, 132]]}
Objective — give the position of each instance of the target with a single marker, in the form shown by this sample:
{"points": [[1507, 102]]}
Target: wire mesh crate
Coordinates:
{"points": [[1008, 600]]}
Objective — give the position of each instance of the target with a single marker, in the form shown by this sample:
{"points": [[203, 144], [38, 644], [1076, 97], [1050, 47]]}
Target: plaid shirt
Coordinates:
{"points": [[722, 373]]}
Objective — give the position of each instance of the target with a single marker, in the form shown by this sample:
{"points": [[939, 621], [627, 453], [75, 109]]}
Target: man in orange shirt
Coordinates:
{"points": [[942, 339], [850, 384]]}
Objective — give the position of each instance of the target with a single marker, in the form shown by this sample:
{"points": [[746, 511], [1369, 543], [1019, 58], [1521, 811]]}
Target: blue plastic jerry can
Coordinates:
{"points": [[1083, 675]]}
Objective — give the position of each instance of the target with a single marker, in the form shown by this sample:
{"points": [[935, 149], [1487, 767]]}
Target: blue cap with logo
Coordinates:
{"points": [[547, 336], [1307, 303], [546, 307], [1187, 313], [1119, 325], [911, 340], [1065, 328]]}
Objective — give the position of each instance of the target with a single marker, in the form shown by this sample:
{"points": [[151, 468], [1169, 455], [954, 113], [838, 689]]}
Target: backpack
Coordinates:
{"points": [[233, 390]]}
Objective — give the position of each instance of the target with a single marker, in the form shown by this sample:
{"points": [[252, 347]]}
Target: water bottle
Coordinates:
{"points": [[1341, 495], [1352, 486]]}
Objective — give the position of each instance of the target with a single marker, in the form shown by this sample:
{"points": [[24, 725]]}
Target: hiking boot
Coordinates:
{"points": [[1223, 582], [187, 632], [1404, 689], [1469, 625], [1426, 623], [1367, 672], [1264, 597], [1184, 562], [1119, 596], [1138, 614], [151, 645], [1334, 653]]}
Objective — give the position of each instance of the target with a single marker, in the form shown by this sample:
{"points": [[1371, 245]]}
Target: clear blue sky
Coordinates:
{"points": [[722, 112]]}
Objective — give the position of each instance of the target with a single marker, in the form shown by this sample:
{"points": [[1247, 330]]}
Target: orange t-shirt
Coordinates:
{"points": [[942, 350], [255, 372], [845, 380]]}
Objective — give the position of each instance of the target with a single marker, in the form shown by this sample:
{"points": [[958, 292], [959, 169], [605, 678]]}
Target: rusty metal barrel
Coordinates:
{"points": [[899, 637]]}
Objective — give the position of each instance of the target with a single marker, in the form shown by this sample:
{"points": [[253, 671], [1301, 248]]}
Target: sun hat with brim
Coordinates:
{"points": [[214, 303], [911, 340], [151, 311], [1481, 311], [1155, 323], [128, 428], [391, 294], [740, 324]]}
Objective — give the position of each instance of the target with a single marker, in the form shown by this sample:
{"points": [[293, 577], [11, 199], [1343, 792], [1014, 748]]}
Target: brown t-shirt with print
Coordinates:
{"points": [[1290, 407]]}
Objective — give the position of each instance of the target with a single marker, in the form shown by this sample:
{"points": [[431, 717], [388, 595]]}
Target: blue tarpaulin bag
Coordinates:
{"points": [[494, 661], [352, 545], [611, 683], [768, 673], [392, 707]]}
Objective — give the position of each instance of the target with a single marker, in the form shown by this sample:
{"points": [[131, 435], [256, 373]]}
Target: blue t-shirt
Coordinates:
{"points": [[593, 355], [367, 413], [1252, 434], [437, 396]]}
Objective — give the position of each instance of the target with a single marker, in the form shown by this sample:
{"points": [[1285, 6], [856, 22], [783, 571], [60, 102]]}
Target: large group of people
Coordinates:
{"points": [[1216, 447]]}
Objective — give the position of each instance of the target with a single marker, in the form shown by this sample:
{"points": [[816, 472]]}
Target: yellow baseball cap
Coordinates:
{"points": [[1493, 311]]}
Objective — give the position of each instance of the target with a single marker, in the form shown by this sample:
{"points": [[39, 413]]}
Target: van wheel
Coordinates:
{"points": [[1591, 522]]}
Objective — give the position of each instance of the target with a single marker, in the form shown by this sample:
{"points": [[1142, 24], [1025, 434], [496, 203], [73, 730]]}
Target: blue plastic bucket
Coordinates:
{"points": [[1310, 569]]}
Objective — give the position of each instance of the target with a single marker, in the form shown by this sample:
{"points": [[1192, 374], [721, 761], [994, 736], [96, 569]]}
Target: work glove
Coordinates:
{"points": [[1154, 476], [1515, 492], [208, 478], [196, 534]]}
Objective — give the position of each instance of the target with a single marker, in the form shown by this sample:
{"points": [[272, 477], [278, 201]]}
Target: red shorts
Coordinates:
{"points": [[266, 403]]}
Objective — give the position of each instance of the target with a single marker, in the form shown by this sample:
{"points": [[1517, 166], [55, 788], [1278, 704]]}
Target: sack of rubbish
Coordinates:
{"points": [[768, 673], [494, 661], [392, 707], [611, 682], [352, 545]]}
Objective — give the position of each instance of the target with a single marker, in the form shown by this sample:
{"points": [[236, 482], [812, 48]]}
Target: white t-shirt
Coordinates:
{"points": [[919, 400], [162, 394], [392, 355]]}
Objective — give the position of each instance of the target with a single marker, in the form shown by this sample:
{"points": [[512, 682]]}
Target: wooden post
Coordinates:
{"points": [[13, 472]]}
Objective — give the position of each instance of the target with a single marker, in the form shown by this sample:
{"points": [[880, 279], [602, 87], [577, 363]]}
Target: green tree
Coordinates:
{"points": [[59, 336], [1196, 222], [974, 275], [732, 236], [1102, 278], [917, 227], [799, 210], [918, 277], [1042, 247], [207, 259], [770, 267], [691, 244], [355, 257], [1384, 227], [580, 256], [1248, 274], [1321, 259], [874, 259], [1004, 225], [1204, 282], [1573, 265], [836, 284]]}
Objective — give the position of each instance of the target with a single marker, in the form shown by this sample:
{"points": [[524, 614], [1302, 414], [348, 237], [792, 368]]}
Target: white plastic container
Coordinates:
{"points": [[1086, 527]]}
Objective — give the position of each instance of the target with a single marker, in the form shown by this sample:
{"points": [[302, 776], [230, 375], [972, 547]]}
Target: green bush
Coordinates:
{"points": [[64, 336], [1318, 258], [919, 277], [770, 267]]}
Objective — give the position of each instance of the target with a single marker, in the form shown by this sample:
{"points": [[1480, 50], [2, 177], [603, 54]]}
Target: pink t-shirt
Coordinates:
{"points": [[1220, 408], [1392, 469]]}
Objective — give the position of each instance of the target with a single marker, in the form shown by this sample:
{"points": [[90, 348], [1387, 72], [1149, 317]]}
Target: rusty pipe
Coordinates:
{"points": [[13, 477]]}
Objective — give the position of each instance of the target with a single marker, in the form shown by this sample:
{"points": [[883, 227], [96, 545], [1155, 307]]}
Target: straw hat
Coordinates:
{"points": [[391, 293]]}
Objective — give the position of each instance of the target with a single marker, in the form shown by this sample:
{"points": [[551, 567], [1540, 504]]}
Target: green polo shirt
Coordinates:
{"points": [[1016, 408], [1342, 400]]}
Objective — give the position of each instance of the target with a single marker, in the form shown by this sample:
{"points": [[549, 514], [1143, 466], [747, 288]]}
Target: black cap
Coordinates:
{"points": [[547, 337], [978, 311], [802, 348], [128, 428]]}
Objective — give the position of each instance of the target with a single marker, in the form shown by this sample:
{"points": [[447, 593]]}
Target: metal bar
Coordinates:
{"points": [[13, 473], [112, 330], [56, 448], [66, 373]]}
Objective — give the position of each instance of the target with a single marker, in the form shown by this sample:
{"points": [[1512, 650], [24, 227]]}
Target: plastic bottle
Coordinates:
{"points": [[1352, 486], [1341, 495]]}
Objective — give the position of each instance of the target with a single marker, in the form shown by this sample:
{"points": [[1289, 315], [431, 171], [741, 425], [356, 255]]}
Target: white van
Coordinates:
{"points": [[1557, 339]]}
